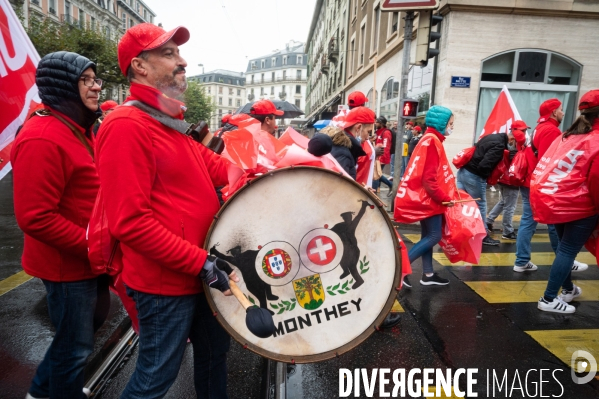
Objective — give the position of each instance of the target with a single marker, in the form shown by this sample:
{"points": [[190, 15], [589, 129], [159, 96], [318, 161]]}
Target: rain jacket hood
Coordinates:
{"points": [[438, 117]]}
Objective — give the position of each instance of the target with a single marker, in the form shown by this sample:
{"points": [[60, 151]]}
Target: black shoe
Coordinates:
{"points": [[510, 236], [433, 280], [406, 282], [390, 193], [490, 227], [390, 321], [489, 241]]}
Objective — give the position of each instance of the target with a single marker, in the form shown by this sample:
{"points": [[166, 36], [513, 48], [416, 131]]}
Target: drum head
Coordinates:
{"points": [[315, 249]]}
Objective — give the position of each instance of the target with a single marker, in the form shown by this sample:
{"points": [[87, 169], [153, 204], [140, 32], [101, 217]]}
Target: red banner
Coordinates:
{"points": [[503, 114], [18, 92]]}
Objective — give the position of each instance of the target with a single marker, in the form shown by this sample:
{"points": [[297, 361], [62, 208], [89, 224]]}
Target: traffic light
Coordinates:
{"points": [[425, 36], [409, 108]]}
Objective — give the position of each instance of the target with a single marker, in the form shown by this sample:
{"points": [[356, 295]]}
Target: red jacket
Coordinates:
{"points": [[55, 186], [384, 138], [160, 200], [544, 134], [565, 184]]}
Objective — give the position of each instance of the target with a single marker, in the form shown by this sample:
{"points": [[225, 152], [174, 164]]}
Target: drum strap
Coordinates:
{"points": [[168, 121]]}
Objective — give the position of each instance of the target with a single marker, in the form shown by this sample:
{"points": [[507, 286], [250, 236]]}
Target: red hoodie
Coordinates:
{"points": [[384, 138], [543, 136], [158, 187], [55, 187]]}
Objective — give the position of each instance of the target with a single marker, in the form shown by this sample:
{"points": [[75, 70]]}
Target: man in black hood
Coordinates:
{"points": [[55, 188]]}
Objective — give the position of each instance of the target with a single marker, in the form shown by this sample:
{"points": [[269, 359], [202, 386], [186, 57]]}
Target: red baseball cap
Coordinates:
{"points": [[418, 128], [265, 107], [359, 115], [547, 108], [410, 123], [519, 125], [143, 37], [589, 100], [107, 105], [356, 99]]}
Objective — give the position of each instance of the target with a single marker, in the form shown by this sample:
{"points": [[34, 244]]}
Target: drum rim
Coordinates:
{"points": [[344, 348]]}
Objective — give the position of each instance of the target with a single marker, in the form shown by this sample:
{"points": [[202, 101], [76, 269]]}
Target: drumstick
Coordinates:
{"points": [[258, 320], [459, 201]]}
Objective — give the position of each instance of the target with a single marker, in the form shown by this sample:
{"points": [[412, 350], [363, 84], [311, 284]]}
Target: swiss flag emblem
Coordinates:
{"points": [[321, 250]]}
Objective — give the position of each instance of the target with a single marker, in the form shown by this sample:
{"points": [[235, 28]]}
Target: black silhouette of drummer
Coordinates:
{"points": [[346, 231], [246, 262]]}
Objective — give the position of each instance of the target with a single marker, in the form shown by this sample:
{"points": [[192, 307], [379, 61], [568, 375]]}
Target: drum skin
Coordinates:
{"points": [[315, 249]]}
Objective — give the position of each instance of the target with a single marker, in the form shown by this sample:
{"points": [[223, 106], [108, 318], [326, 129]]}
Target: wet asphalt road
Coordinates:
{"points": [[442, 327]]}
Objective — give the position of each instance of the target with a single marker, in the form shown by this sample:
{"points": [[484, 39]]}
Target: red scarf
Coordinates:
{"points": [[156, 99]]}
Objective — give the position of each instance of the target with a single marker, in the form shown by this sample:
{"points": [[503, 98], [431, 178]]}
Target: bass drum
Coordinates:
{"points": [[315, 249]]}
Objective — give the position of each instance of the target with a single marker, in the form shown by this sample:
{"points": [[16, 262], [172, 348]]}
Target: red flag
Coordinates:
{"points": [[503, 114], [18, 92]]}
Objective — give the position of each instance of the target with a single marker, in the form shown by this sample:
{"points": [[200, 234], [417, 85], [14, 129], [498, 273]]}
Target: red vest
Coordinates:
{"points": [[413, 203], [559, 192]]}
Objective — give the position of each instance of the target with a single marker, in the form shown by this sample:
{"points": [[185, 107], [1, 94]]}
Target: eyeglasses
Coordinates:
{"points": [[89, 81]]}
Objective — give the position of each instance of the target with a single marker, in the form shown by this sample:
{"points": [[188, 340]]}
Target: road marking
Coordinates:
{"points": [[397, 307], [508, 259], [526, 291], [563, 343], [13, 282], [536, 238]]}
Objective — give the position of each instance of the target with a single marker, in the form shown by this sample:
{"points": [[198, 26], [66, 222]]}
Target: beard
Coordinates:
{"points": [[173, 85]]}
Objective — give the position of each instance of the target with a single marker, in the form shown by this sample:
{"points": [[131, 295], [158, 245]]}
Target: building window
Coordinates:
{"points": [[238, 103], [230, 102], [389, 95], [393, 23], [273, 62], [252, 79], [67, 11], [272, 91], [253, 66], [299, 60], [124, 21], [220, 101], [362, 44], [81, 18], [52, 7], [375, 29], [284, 75], [93, 23], [263, 64], [298, 102], [261, 78], [262, 91], [531, 76], [284, 60], [298, 74], [238, 92], [209, 91], [220, 90], [272, 77], [352, 53], [283, 88], [298, 89], [131, 23], [151, 19], [230, 91], [220, 113]]}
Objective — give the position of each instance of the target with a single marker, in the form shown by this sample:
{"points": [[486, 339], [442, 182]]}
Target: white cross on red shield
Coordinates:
{"points": [[321, 250]]}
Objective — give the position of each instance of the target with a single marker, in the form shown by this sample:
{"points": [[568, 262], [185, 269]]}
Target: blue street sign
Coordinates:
{"points": [[460, 81]]}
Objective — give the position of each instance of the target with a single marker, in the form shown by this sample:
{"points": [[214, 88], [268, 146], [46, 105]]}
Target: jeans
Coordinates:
{"points": [[572, 236], [431, 235], [165, 323], [507, 205], [476, 187], [527, 229], [76, 310]]}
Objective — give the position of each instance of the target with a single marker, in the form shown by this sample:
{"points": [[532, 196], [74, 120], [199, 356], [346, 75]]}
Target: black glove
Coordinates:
{"points": [[216, 273]]}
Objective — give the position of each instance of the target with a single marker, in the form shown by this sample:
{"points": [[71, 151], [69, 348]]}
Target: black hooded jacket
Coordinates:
{"points": [[488, 153], [57, 80]]}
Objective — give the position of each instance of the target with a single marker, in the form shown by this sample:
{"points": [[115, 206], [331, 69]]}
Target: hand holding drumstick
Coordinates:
{"points": [[452, 203]]}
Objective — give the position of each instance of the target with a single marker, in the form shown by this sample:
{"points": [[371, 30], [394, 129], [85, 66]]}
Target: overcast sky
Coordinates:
{"points": [[225, 34]]}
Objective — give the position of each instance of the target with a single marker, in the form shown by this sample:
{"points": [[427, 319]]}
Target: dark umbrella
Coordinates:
{"points": [[290, 110]]}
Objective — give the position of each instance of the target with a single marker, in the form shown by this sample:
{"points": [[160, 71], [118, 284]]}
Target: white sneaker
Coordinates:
{"points": [[556, 306], [568, 296], [579, 267], [529, 267]]}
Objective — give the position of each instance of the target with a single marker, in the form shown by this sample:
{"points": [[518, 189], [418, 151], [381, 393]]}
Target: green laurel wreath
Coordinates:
{"points": [[339, 288], [363, 266], [284, 306]]}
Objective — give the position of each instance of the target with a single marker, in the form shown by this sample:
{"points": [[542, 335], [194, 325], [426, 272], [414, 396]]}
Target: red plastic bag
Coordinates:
{"points": [[412, 203], [104, 251], [463, 157], [500, 169], [463, 231], [518, 171]]}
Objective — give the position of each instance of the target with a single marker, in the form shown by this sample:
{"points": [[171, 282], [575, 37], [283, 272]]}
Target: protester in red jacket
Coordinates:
{"points": [[55, 186], [565, 193], [158, 189]]}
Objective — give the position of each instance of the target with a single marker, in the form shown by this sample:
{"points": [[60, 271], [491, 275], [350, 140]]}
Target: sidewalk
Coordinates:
{"points": [[492, 199]]}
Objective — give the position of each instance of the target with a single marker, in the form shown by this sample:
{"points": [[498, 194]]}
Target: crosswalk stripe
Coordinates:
{"points": [[508, 259], [536, 238], [563, 343], [526, 291], [13, 282]]}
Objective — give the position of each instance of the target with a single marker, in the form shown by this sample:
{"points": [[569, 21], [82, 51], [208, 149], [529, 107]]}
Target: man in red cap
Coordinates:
{"points": [[159, 199], [507, 191], [356, 99], [265, 111], [106, 107], [547, 131]]}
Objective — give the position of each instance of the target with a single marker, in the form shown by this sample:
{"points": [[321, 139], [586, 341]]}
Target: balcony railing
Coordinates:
{"points": [[279, 79]]}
